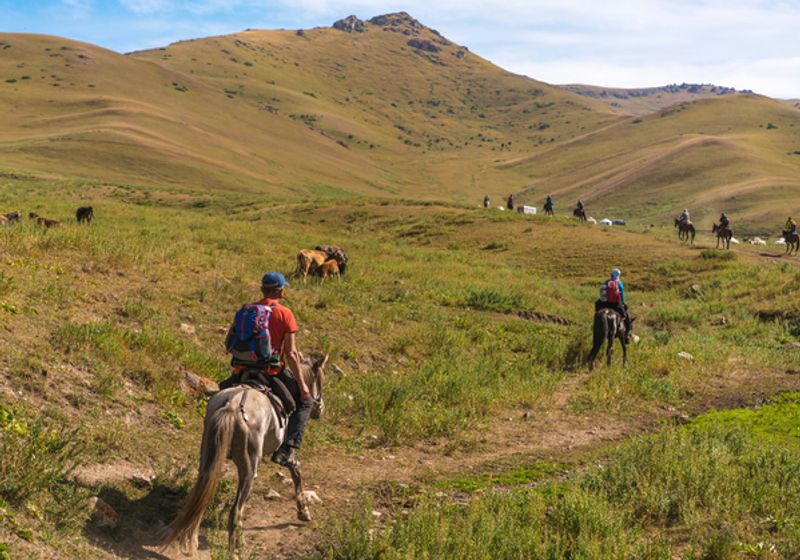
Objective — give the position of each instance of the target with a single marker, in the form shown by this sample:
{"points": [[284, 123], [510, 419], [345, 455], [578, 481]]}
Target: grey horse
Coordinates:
{"points": [[241, 422]]}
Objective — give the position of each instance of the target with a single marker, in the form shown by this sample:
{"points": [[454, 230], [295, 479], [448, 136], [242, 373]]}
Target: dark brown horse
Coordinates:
{"points": [[792, 242], [724, 234], [608, 325], [686, 231], [580, 214], [548, 209]]}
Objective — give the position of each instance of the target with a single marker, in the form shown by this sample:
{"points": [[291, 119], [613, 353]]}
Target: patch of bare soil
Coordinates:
{"points": [[548, 431]]}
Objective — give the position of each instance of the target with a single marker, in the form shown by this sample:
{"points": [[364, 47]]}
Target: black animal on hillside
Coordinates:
{"points": [[608, 325], [84, 214]]}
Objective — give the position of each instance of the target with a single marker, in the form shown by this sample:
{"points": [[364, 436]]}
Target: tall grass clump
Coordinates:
{"points": [[36, 460]]}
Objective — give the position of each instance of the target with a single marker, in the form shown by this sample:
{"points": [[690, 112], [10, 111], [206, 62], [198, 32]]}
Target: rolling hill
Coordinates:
{"points": [[641, 101], [380, 108]]}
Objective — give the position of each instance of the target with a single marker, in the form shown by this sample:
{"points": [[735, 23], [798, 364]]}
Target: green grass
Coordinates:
{"points": [[423, 326], [724, 487]]}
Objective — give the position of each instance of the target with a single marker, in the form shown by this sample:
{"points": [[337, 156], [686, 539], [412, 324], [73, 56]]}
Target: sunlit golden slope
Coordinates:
{"points": [[396, 110], [739, 154], [323, 112]]}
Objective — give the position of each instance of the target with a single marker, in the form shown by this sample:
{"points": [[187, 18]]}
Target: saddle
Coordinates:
{"points": [[278, 394]]}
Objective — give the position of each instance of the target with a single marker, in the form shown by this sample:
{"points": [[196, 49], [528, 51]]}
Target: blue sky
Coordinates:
{"points": [[747, 44]]}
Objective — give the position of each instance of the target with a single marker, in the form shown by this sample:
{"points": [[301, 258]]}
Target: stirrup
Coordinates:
{"points": [[285, 459]]}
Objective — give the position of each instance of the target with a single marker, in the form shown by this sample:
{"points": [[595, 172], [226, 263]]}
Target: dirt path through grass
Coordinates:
{"points": [[551, 431]]}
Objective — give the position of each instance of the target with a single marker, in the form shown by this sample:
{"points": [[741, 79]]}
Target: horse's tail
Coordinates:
{"points": [[217, 440]]}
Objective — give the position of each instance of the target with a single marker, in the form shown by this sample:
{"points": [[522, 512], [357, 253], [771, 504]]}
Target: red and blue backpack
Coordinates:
{"points": [[248, 341], [613, 294]]}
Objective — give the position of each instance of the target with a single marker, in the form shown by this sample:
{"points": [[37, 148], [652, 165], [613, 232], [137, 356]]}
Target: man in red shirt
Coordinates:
{"points": [[282, 328]]}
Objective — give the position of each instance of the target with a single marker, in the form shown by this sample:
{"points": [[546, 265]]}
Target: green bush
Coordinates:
{"points": [[35, 462]]}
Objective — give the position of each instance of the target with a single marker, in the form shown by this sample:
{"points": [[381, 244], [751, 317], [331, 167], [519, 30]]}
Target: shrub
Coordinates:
{"points": [[37, 460]]}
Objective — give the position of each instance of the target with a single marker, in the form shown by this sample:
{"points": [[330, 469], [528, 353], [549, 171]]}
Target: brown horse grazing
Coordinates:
{"points": [[548, 210], [581, 214], [244, 422], [608, 325], [724, 234], [686, 231], [792, 242]]}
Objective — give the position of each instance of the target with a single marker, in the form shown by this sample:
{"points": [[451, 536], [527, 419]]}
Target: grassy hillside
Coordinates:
{"points": [[449, 319], [642, 101], [80, 110], [396, 111], [737, 154]]}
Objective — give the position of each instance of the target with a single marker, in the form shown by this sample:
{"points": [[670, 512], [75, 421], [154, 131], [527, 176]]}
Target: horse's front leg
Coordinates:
{"points": [[303, 514], [624, 352]]}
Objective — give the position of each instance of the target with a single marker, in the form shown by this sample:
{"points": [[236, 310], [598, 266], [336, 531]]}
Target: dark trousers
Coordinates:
{"points": [[298, 419]]}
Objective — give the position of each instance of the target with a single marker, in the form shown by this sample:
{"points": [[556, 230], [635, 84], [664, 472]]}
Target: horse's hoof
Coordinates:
{"points": [[304, 515]]}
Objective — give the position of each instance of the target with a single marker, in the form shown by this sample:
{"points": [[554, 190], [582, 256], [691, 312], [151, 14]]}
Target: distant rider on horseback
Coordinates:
{"points": [[684, 219], [724, 222], [282, 328], [790, 227], [612, 296], [486, 201], [579, 206], [510, 201]]}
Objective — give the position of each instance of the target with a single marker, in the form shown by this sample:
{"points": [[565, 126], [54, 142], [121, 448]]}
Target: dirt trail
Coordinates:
{"points": [[547, 431]]}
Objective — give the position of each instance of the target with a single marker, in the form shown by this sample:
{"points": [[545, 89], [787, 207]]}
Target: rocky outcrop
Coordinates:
{"points": [[350, 24], [398, 19], [423, 45]]}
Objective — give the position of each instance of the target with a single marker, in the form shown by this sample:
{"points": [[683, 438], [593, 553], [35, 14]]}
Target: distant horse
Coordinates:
{"points": [[243, 422], [12, 217], [581, 214], [608, 325], [792, 242], [42, 221], [548, 210], [724, 234], [686, 231], [84, 214]]}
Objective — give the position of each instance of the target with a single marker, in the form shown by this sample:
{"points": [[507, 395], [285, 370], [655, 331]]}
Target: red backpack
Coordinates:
{"points": [[612, 291]]}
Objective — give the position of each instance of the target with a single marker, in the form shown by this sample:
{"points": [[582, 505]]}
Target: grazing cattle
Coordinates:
{"points": [[84, 214], [329, 268], [336, 253], [12, 217], [42, 221], [309, 261]]}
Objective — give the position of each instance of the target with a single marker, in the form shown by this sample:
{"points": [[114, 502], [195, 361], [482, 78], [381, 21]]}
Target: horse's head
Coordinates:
{"points": [[315, 378], [677, 222], [714, 228]]}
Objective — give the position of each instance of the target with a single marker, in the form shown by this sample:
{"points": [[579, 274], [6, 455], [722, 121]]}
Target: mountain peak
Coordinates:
{"points": [[396, 21]]}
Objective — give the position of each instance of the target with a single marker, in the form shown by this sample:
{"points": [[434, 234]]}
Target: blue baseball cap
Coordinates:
{"points": [[273, 280]]}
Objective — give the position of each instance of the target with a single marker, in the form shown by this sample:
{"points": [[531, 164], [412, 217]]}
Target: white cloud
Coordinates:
{"points": [[147, 7]]}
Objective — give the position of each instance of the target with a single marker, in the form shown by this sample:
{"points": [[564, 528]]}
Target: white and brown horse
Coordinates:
{"points": [[243, 422]]}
